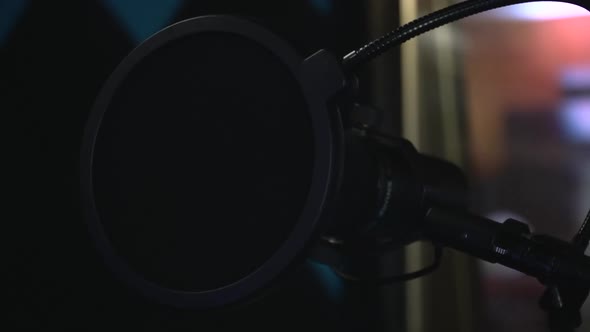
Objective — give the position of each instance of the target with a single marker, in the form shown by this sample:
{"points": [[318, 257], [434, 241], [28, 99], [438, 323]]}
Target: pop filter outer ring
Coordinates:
{"points": [[306, 227]]}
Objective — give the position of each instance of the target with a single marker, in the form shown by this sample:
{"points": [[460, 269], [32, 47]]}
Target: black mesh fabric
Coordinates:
{"points": [[203, 161]]}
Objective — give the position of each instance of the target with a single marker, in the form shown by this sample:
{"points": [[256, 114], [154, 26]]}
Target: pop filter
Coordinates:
{"points": [[207, 161]]}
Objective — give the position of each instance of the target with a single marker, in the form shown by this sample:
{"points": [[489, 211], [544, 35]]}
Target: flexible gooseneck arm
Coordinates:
{"points": [[428, 22]]}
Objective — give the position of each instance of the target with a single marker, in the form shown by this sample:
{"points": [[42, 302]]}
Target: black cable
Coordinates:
{"points": [[582, 239], [385, 280], [563, 302], [426, 23]]}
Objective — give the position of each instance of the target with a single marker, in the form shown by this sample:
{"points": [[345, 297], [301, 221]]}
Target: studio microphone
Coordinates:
{"points": [[216, 158]]}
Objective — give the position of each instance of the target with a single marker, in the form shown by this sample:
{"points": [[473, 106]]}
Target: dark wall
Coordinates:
{"points": [[54, 59]]}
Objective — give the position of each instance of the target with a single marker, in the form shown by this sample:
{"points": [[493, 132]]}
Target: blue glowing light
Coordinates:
{"points": [[322, 7], [575, 110], [575, 114], [10, 13], [330, 281], [142, 18]]}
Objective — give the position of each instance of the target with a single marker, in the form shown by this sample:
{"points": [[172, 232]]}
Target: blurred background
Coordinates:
{"points": [[505, 94]]}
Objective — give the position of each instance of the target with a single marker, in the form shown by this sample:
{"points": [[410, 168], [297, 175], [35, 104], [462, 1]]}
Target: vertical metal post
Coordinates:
{"points": [[385, 93]]}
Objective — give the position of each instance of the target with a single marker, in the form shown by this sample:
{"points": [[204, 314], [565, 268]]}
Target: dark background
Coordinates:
{"points": [[55, 56]]}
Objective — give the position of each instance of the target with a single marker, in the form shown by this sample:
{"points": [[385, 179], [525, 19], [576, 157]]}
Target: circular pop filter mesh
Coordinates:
{"points": [[203, 161]]}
